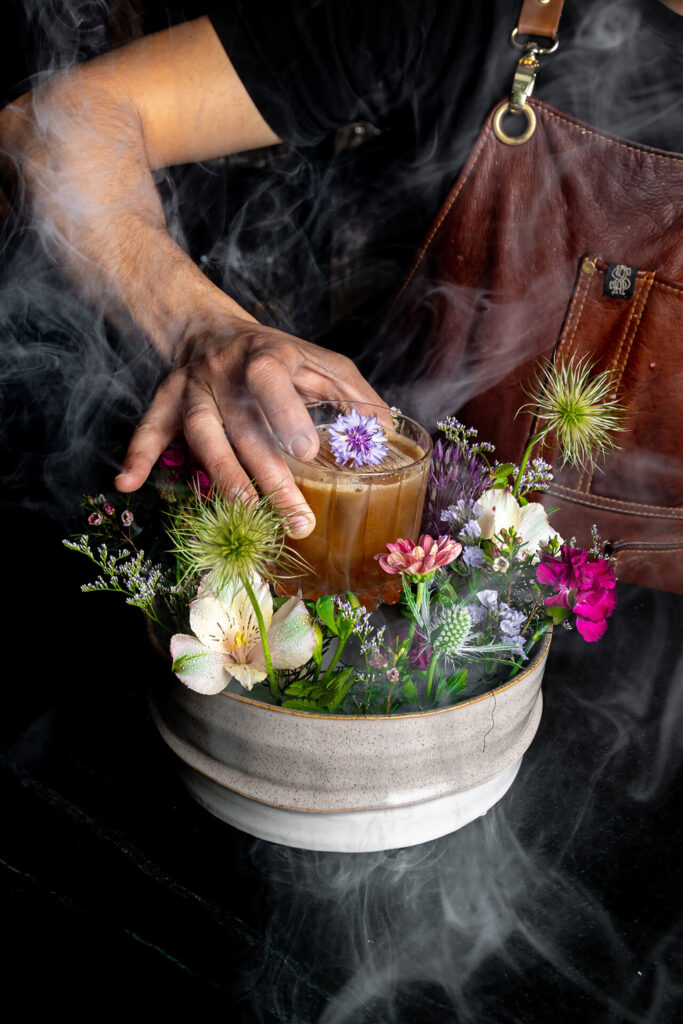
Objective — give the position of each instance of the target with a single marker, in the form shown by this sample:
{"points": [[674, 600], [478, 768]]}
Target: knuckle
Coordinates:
{"points": [[195, 416], [260, 366]]}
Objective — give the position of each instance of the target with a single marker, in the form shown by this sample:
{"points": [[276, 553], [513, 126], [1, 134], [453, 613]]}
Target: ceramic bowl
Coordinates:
{"points": [[350, 783]]}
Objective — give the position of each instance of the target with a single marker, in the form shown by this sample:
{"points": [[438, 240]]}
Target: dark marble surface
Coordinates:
{"points": [[562, 903]]}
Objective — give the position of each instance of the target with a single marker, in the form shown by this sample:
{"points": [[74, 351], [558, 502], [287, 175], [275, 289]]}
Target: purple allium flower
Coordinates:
{"points": [[452, 478], [357, 439], [95, 519], [127, 517], [109, 509]]}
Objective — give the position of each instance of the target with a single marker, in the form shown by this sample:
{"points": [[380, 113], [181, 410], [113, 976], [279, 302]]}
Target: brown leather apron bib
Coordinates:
{"points": [[569, 245]]}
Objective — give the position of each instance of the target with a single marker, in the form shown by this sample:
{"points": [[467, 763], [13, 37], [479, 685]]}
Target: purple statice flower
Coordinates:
{"points": [[453, 477], [473, 556], [357, 439], [511, 621], [471, 532]]}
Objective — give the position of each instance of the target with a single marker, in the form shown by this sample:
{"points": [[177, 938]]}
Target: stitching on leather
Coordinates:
{"points": [[627, 326], [597, 501], [421, 255], [567, 342], [677, 289], [615, 142], [633, 547], [648, 283]]}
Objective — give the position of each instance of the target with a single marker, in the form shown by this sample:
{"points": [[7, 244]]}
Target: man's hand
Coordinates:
{"points": [[252, 382], [84, 146]]}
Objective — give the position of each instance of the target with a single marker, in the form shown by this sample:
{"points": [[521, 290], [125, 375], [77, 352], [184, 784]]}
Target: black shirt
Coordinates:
{"points": [[426, 75]]}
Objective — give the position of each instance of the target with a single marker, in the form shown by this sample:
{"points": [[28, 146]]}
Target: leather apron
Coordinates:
{"points": [[569, 245]]}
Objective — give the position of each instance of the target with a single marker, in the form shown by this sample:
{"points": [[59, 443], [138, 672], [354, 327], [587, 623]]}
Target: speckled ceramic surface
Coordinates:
{"points": [[322, 764]]}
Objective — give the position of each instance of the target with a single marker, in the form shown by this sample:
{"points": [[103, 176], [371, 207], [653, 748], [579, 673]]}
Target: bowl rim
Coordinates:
{"points": [[535, 662]]}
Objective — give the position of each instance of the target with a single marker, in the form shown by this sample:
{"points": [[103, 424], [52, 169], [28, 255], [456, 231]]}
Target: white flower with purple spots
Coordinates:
{"points": [[357, 439], [226, 641]]}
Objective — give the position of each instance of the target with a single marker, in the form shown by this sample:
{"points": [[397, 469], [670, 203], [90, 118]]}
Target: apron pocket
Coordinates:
{"points": [[630, 320]]}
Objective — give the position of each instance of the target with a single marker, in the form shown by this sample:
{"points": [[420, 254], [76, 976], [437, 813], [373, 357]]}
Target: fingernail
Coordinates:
{"points": [[301, 446], [301, 525]]}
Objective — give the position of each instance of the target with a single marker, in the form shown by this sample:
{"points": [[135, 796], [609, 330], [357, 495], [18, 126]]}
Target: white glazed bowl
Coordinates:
{"points": [[350, 783]]}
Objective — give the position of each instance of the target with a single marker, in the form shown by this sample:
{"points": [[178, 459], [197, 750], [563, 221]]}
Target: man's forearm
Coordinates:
{"points": [[84, 164]]}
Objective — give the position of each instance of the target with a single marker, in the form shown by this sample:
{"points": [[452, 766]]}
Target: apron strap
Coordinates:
{"points": [[540, 18]]}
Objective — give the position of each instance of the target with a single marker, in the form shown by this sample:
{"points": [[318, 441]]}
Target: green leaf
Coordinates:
{"points": [[557, 613], [298, 688], [318, 650], [410, 690], [503, 471], [458, 681], [325, 610], [341, 683], [301, 705]]}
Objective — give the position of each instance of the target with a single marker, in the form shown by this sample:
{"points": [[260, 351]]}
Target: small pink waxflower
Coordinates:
{"points": [[392, 675], [95, 519], [109, 509], [421, 559], [127, 517]]}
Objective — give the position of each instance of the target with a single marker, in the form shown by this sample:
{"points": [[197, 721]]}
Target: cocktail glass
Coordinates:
{"points": [[358, 511]]}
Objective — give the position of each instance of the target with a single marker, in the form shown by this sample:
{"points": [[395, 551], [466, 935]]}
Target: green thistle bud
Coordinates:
{"points": [[579, 407], [232, 538], [454, 631]]}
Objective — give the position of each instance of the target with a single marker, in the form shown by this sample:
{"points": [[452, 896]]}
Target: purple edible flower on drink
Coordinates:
{"points": [[357, 439]]}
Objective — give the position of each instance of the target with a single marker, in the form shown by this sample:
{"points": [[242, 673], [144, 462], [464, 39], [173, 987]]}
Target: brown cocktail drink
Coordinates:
{"points": [[359, 510]]}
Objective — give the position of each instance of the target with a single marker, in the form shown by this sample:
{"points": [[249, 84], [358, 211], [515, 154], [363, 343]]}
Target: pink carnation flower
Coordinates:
{"points": [[586, 588], [419, 559]]}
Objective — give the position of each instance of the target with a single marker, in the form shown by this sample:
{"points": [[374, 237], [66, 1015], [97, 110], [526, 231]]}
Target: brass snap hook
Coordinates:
{"points": [[513, 140]]}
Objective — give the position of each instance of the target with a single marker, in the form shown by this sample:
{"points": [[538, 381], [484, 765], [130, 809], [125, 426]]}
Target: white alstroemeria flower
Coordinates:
{"points": [[227, 641], [501, 511]]}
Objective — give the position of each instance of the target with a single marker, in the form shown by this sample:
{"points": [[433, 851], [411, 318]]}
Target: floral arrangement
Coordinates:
{"points": [[485, 580]]}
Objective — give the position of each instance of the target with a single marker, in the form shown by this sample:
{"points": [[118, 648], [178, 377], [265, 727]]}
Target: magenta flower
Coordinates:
{"points": [[127, 517], [357, 439], [392, 675], [201, 480], [109, 509], [419, 559], [586, 588], [174, 456], [95, 519]]}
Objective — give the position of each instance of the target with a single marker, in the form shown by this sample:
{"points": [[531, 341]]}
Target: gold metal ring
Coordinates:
{"points": [[513, 140], [554, 39]]}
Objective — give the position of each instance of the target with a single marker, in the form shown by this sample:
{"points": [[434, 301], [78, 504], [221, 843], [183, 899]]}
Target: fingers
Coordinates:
{"points": [[154, 433], [270, 381], [255, 446]]}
